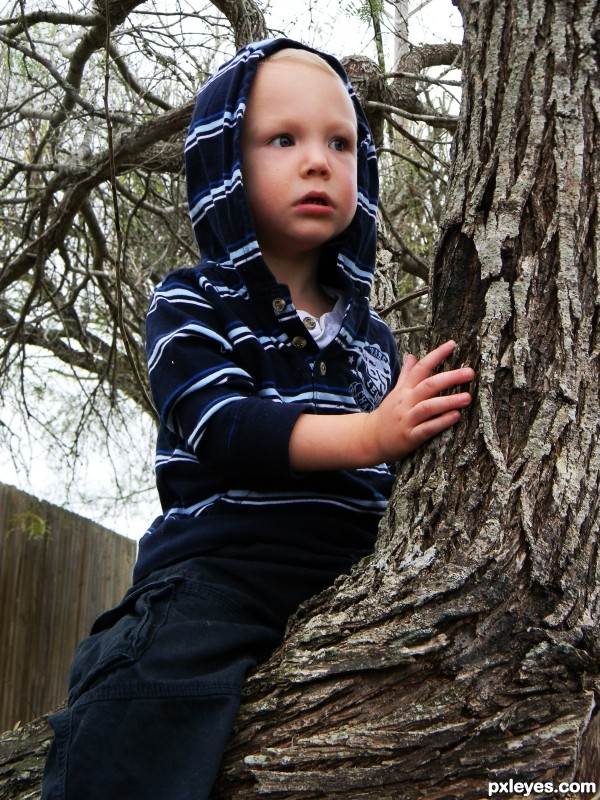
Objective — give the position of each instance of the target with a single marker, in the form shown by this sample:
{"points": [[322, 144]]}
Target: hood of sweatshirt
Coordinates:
{"points": [[218, 205]]}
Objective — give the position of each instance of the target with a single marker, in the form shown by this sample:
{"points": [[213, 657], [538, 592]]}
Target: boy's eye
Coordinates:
{"points": [[283, 140], [339, 144]]}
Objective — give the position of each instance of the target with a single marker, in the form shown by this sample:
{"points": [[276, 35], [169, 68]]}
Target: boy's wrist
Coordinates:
{"points": [[337, 441], [373, 439]]}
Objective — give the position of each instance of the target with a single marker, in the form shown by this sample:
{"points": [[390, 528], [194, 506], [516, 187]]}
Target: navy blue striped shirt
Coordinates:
{"points": [[232, 366]]}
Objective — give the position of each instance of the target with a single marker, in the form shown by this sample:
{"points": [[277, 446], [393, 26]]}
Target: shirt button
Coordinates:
{"points": [[299, 342], [279, 304], [310, 323], [323, 368]]}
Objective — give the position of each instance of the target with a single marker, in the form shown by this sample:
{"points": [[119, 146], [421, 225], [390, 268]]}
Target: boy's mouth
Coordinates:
{"points": [[315, 199]]}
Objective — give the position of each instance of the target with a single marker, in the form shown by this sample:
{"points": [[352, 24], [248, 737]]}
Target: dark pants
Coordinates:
{"points": [[155, 689]]}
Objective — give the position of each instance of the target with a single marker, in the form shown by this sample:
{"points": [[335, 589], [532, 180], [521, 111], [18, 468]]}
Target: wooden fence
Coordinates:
{"points": [[58, 571]]}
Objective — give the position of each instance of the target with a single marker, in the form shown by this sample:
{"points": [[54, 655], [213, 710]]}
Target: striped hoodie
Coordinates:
{"points": [[232, 366]]}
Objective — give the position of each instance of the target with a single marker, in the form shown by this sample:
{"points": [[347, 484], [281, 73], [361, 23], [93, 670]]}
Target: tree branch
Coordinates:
{"points": [[71, 91], [433, 119], [246, 19], [133, 83], [53, 17], [132, 150], [404, 92]]}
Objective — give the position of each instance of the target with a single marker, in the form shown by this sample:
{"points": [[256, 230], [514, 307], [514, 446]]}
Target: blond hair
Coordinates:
{"points": [[302, 56]]}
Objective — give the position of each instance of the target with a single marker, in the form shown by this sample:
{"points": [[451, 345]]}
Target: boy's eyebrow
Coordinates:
{"points": [[273, 118]]}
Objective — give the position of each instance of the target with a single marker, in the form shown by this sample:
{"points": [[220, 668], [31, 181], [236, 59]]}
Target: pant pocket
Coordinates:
{"points": [[120, 635], [140, 748]]}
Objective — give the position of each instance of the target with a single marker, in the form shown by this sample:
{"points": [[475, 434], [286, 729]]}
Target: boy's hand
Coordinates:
{"points": [[415, 411]]}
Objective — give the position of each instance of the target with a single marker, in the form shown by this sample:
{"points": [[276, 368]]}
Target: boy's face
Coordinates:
{"points": [[299, 157]]}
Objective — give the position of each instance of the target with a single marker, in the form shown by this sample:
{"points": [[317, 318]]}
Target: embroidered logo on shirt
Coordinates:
{"points": [[374, 375]]}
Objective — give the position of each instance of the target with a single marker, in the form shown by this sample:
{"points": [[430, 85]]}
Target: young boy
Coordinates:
{"points": [[281, 404]]}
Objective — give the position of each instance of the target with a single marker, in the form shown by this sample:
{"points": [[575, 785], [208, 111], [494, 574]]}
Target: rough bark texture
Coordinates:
{"points": [[369, 84], [22, 755], [466, 650]]}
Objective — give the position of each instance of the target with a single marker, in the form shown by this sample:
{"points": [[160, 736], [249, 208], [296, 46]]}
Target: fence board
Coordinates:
{"points": [[58, 571]]}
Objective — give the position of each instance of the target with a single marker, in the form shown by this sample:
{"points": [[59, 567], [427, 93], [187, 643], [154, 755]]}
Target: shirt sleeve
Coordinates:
{"points": [[207, 399]]}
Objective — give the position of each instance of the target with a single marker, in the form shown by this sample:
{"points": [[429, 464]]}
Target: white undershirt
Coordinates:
{"points": [[325, 328]]}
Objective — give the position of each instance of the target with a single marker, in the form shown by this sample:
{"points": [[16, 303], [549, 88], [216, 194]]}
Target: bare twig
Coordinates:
{"points": [[384, 312], [435, 120]]}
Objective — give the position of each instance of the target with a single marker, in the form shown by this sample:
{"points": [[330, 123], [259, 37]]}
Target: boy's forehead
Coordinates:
{"points": [[275, 80]]}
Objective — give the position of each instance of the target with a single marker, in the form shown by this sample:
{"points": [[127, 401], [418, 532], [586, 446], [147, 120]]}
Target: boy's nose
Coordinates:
{"points": [[316, 163]]}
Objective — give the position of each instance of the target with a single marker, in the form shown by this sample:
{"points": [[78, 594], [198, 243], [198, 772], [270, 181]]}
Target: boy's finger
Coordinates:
{"points": [[434, 385], [438, 406], [405, 371], [422, 369], [435, 425]]}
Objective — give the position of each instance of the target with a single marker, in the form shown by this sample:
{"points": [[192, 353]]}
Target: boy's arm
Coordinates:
{"points": [[411, 414], [206, 399]]}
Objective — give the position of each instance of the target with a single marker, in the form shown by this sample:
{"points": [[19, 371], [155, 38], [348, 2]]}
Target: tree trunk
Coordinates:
{"points": [[465, 651]]}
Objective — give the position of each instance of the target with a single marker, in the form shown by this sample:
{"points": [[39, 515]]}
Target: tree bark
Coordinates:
{"points": [[466, 649]]}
